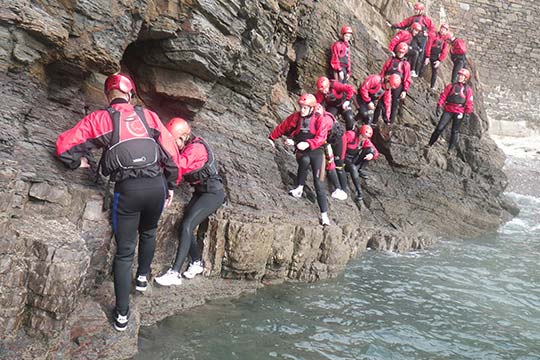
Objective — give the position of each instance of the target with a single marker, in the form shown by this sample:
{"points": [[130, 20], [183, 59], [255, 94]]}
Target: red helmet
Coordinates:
{"points": [[449, 36], [394, 80], [444, 26], [465, 73], [366, 131], [419, 6], [402, 47], [178, 127], [323, 84], [416, 26], [120, 82], [346, 30], [307, 100]]}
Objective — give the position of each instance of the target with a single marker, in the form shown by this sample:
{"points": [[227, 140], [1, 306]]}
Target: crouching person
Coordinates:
{"points": [[360, 150], [198, 167]]}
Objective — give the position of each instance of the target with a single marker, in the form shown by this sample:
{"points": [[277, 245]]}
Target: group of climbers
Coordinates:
{"points": [[147, 159], [313, 132]]}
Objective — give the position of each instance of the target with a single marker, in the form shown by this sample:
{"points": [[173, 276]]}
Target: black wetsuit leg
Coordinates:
{"points": [[137, 207], [352, 169], [454, 135], [443, 122], [363, 113], [460, 61], [396, 93], [199, 208], [348, 116], [316, 159], [412, 57]]}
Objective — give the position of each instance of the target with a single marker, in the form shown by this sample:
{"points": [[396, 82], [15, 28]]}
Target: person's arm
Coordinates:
{"points": [[334, 61], [444, 52], [285, 126], [403, 24], [89, 133], [406, 76], [385, 66], [344, 88], [323, 125], [469, 101], [444, 95]]}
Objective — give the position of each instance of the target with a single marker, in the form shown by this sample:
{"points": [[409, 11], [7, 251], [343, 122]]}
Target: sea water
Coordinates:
{"points": [[461, 299]]}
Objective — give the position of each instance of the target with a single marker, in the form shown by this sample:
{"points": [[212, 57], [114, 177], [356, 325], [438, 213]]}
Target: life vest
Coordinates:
{"points": [[458, 94], [378, 94], [344, 54], [304, 127], [436, 47], [132, 151], [337, 130], [208, 171], [331, 99], [396, 67]]}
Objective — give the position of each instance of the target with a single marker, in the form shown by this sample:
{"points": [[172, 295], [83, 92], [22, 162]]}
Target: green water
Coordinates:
{"points": [[462, 299]]}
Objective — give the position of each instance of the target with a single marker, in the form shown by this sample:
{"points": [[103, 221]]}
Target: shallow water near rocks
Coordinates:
{"points": [[462, 299]]}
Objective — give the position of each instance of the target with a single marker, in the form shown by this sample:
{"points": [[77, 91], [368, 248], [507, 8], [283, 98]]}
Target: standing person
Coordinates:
{"points": [[457, 100], [360, 150], [412, 38], [138, 152], [308, 130], [376, 88], [198, 165], [398, 65], [436, 51], [340, 60], [336, 98], [458, 54], [428, 30]]}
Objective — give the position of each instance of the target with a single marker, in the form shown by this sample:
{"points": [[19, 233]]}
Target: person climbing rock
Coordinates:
{"points": [[458, 54], [360, 150], [376, 88], [412, 38], [336, 98], [427, 31], [436, 51], [334, 152], [140, 157], [456, 105], [198, 166], [397, 65], [340, 60], [308, 130]]}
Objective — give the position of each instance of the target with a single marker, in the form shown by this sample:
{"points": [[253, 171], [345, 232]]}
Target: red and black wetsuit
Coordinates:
{"points": [[139, 193], [458, 55], [334, 150], [312, 129], [198, 165], [428, 31], [372, 90], [395, 65], [357, 150], [436, 50], [340, 60], [457, 100], [333, 101]]}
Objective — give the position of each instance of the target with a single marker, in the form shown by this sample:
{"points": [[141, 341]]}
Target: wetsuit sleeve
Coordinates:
{"points": [[444, 95], [349, 137], [323, 126], [395, 40], [404, 24], [93, 131], [192, 158], [319, 96], [429, 44], [364, 90], [344, 88], [334, 61], [469, 101], [430, 26], [171, 154], [286, 126], [367, 144], [406, 76], [385, 66]]}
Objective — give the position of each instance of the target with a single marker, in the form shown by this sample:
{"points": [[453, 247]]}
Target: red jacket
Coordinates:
{"points": [[402, 67], [337, 91], [459, 47], [402, 36], [319, 126], [425, 21], [437, 41], [192, 157], [354, 144], [95, 131], [341, 56], [371, 87], [455, 90]]}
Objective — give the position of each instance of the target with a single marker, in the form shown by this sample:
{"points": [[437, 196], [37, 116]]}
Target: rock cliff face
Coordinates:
{"points": [[235, 69]]}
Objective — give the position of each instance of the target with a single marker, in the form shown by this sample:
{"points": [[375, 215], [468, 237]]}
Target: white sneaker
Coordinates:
{"points": [[171, 277], [339, 194], [413, 74], [297, 193], [324, 219], [195, 268]]}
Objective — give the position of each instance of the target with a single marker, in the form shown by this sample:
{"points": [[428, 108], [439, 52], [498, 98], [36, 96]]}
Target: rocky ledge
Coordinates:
{"points": [[235, 69]]}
